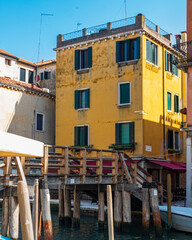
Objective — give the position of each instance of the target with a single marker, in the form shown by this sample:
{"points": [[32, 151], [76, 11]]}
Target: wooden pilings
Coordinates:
{"points": [[36, 209], [61, 202], [169, 200], [67, 207], [5, 215], [101, 204], [13, 218], [76, 208], [110, 213], [117, 210], [145, 208], [126, 200], [46, 212]]}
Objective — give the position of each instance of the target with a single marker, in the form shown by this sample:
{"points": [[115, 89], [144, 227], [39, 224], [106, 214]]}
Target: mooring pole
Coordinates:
{"points": [[67, 207], [118, 210], [155, 209], [76, 207], [61, 202], [110, 213], [145, 208], [46, 211], [13, 217], [126, 197], [101, 203], [36, 209], [5, 215], [169, 200]]}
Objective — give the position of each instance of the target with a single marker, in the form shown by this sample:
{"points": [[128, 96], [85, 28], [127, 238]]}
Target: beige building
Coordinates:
{"points": [[27, 110]]}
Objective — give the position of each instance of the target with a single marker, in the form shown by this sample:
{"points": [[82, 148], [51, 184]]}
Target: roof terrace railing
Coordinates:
{"points": [[185, 50], [111, 25]]}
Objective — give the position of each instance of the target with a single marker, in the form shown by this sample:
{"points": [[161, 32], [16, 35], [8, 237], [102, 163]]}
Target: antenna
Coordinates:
{"points": [[42, 14], [125, 9], [78, 24]]}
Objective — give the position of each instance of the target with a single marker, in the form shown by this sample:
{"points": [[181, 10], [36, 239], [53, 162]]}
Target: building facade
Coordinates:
{"points": [[117, 87]]}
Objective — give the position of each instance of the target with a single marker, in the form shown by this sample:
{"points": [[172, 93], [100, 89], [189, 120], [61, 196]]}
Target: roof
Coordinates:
{"points": [[170, 165], [23, 86], [27, 62]]}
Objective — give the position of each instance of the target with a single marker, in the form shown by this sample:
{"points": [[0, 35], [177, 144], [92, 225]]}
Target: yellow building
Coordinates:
{"points": [[117, 86]]}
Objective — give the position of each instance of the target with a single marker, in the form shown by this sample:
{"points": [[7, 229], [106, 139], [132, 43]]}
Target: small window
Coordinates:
{"points": [[81, 136], [177, 140], [47, 75], [151, 52], [170, 139], [170, 63], [82, 98], [22, 74], [176, 103], [41, 76], [177, 180], [30, 77], [128, 50], [39, 122], [169, 101], [124, 93], [83, 58], [7, 62], [124, 133]]}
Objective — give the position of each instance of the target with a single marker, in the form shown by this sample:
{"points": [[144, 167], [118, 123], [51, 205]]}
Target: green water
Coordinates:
{"points": [[89, 230]]}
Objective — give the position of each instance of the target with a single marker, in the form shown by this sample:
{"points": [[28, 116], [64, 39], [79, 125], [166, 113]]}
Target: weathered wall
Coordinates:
{"points": [[18, 114]]}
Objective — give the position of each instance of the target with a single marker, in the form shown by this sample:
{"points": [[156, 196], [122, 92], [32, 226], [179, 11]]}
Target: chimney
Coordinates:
{"points": [[42, 61], [178, 39], [184, 36]]}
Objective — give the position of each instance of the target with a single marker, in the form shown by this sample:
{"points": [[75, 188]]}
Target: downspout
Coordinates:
{"points": [[163, 63]]}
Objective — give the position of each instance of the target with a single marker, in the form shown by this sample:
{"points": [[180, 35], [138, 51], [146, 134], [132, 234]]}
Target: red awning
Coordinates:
{"points": [[170, 165]]}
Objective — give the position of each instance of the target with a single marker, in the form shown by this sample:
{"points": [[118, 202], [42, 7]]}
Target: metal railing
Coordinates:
{"points": [[185, 50], [123, 22], [96, 29]]}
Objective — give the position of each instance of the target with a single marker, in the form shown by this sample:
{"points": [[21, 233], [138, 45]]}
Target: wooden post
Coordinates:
{"points": [[39, 213], [83, 165], [118, 210], [99, 163], [46, 159], [76, 207], [67, 207], [36, 209], [13, 218], [46, 212], [155, 209], [115, 166], [134, 171], [126, 197], [169, 200], [101, 212], [67, 171], [25, 211], [145, 208], [61, 202], [110, 213], [5, 215]]}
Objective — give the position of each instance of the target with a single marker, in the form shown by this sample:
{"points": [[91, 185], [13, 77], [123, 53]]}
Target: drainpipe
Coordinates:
{"points": [[188, 173], [163, 63]]}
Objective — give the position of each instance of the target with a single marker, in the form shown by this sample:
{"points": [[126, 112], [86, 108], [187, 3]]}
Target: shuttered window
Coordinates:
{"points": [[124, 93], [170, 139], [128, 50], [82, 98], [177, 140], [169, 101], [170, 63], [41, 76], [124, 133], [81, 136], [47, 75], [39, 122], [151, 52], [22, 74], [30, 77], [83, 58], [176, 103]]}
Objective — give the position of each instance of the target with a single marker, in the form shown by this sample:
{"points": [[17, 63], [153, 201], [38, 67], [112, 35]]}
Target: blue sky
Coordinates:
{"points": [[20, 20]]}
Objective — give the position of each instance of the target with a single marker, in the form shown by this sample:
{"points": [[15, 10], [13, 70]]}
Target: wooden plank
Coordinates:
{"points": [[83, 164], [124, 165], [110, 213], [66, 171], [46, 153], [99, 163], [134, 171]]}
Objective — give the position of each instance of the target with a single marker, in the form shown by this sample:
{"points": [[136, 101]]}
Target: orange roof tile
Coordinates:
{"points": [[45, 62]]}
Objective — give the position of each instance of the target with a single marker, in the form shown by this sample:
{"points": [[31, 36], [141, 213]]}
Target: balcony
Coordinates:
{"points": [[184, 55]]}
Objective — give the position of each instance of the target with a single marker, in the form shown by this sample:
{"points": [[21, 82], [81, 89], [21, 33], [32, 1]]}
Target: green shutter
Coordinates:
{"points": [[76, 136], [117, 133], [138, 47], [76, 99], [171, 64], [117, 51], [87, 98], [149, 51], [89, 57], [85, 129], [169, 101], [128, 42], [175, 103], [166, 62], [132, 132], [124, 93], [77, 59]]}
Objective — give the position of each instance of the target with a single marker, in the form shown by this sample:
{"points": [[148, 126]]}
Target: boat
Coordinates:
{"points": [[181, 217], [4, 238]]}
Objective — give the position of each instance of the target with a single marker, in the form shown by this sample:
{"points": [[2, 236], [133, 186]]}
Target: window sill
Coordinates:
{"points": [[130, 146], [40, 131], [82, 109], [124, 105], [84, 70], [175, 151], [172, 74], [152, 64], [125, 63]]}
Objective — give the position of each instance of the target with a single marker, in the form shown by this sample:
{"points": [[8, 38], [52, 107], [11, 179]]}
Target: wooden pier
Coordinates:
{"points": [[74, 171]]}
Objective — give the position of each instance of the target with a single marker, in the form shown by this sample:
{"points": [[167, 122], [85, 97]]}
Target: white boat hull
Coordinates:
{"points": [[181, 220]]}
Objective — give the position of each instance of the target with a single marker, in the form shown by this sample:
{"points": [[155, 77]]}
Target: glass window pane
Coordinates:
{"points": [[169, 101], [125, 133], [81, 137], [83, 99]]}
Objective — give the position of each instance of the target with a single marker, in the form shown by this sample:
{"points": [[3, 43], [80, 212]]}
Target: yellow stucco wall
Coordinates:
{"points": [[102, 79]]}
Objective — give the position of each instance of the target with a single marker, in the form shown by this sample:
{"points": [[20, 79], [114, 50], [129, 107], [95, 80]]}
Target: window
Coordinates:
{"points": [[176, 103], [128, 50], [169, 101], [41, 76], [177, 140], [7, 62], [82, 98], [81, 136], [83, 58], [170, 139], [39, 122], [22, 74], [170, 63], [47, 75], [124, 133], [152, 52], [30, 77], [177, 180], [124, 93]]}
